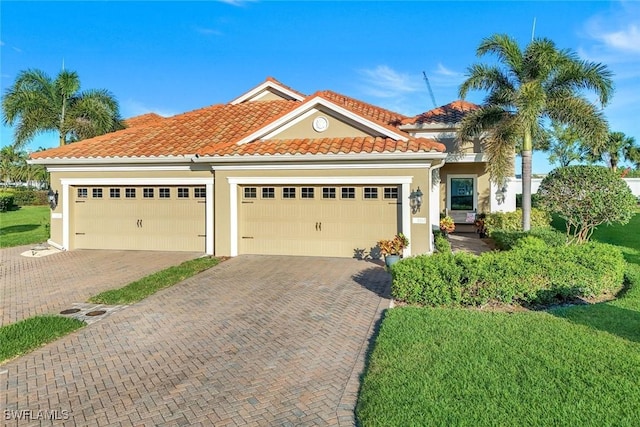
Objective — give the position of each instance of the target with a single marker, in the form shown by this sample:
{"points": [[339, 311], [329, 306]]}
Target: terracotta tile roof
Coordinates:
{"points": [[450, 113], [273, 80], [352, 145], [143, 120], [371, 112], [197, 131]]}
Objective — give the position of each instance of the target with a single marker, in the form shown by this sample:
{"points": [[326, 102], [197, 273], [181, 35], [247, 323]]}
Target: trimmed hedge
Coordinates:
{"points": [[512, 221], [30, 197], [534, 273], [441, 243], [507, 239]]}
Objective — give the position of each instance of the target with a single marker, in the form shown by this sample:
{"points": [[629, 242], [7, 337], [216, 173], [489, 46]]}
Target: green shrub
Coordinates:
{"points": [[7, 202], [512, 221], [30, 196], [441, 243], [506, 240], [533, 272]]}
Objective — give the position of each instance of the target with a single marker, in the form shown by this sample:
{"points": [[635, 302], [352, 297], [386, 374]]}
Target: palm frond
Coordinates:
{"points": [[505, 48]]}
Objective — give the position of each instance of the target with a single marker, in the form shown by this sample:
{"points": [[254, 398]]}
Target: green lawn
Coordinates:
{"points": [[29, 224], [576, 366], [21, 337]]}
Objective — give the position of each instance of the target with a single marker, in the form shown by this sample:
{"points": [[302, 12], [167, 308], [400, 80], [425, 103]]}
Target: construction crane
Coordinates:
{"points": [[433, 98]]}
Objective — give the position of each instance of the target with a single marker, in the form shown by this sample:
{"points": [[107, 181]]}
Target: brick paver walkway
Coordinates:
{"points": [[31, 286], [257, 340]]}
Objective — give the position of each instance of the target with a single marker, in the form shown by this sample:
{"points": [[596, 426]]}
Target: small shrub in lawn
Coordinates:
{"points": [[512, 221], [532, 272], [441, 243], [7, 201]]}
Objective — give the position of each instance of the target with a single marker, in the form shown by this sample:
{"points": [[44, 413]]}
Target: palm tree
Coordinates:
{"points": [[35, 103], [618, 146], [525, 89]]}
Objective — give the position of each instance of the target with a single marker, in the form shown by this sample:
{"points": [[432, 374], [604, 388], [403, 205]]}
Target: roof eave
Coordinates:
{"points": [[321, 157], [187, 158]]}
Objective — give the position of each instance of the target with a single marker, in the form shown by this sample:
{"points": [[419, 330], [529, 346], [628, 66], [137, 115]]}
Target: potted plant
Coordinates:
{"points": [[447, 225], [392, 249], [481, 228]]}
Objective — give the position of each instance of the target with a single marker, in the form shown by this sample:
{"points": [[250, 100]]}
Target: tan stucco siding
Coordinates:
{"points": [[482, 179], [268, 95], [448, 137], [420, 232], [338, 127]]}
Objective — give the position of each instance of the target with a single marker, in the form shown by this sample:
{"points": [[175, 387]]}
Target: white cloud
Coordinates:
{"points": [[208, 31], [384, 82], [132, 108], [627, 39]]}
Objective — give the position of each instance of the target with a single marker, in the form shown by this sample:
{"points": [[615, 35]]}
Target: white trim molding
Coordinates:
{"points": [[262, 87], [405, 181], [466, 158], [141, 168], [298, 114], [110, 160], [69, 182]]}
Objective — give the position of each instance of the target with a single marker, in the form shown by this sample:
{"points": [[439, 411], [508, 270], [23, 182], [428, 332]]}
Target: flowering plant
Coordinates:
{"points": [[394, 246], [447, 225]]}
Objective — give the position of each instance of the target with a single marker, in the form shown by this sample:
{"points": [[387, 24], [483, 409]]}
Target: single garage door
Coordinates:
{"points": [[169, 218], [316, 220]]}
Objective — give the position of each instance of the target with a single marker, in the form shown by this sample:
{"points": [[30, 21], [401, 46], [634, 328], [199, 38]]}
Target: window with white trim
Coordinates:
{"points": [[147, 193], [268, 193], [183, 193], [164, 193], [200, 193], [130, 193], [348, 192], [96, 193], [250, 192], [307, 193], [289, 193], [370, 193], [82, 193], [391, 193], [114, 193], [328, 193]]}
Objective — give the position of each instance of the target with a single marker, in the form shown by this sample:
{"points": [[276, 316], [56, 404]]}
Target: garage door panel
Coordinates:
{"points": [[139, 223], [316, 227]]}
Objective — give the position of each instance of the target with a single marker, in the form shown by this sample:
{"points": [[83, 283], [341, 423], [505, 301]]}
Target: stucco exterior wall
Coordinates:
{"points": [[483, 190], [337, 128]]}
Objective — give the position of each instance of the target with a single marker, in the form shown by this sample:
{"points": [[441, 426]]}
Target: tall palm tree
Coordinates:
{"points": [[526, 88], [36, 103], [618, 147]]}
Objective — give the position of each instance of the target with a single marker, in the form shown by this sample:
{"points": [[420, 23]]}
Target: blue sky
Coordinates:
{"points": [[171, 57]]}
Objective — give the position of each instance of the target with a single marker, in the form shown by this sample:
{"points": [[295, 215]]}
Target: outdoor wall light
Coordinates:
{"points": [[415, 200], [53, 198], [500, 194]]}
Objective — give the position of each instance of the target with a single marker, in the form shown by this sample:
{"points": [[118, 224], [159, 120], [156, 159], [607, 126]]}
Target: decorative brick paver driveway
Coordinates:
{"points": [[31, 286], [257, 340]]}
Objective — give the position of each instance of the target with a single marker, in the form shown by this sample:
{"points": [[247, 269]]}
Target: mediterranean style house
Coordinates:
{"points": [[273, 171]]}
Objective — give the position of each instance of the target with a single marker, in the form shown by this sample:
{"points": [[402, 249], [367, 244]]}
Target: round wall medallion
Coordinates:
{"points": [[320, 124]]}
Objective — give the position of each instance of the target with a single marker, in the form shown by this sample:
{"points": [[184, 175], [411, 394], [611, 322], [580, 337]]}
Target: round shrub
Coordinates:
{"points": [[585, 197]]}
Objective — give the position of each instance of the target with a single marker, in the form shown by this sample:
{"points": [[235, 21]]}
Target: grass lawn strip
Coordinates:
{"points": [[140, 289], [21, 337], [29, 224], [568, 366], [28, 334]]}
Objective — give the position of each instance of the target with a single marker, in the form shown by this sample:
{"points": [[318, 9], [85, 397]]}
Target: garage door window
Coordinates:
{"points": [[82, 193], [183, 193], [289, 193], [348, 193], [268, 193], [164, 193], [307, 192], [370, 193], [391, 193], [114, 193], [147, 193], [200, 193], [328, 193], [97, 193], [250, 193], [130, 193]]}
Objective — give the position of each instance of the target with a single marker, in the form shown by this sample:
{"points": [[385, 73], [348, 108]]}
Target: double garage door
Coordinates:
{"points": [[316, 220], [169, 218]]}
